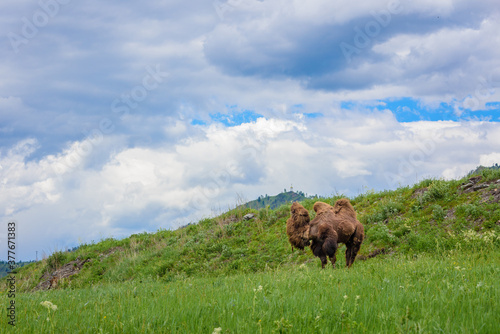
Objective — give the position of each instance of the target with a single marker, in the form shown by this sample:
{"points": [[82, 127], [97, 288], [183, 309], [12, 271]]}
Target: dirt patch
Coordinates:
{"points": [[419, 192], [491, 195], [227, 220], [376, 252], [450, 215], [49, 280]]}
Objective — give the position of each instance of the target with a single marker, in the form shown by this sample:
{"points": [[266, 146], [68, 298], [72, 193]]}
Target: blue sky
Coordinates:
{"points": [[123, 117]]}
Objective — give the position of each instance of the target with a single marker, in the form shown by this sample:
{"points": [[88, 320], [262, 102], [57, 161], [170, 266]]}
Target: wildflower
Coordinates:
{"points": [[357, 297], [49, 305], [259, 289], [217, 330], [345, 297]]}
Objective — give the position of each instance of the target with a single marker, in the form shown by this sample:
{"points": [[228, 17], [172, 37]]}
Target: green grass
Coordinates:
{"points": [[456, 292]]}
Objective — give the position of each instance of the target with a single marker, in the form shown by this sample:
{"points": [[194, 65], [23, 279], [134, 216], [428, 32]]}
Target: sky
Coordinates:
{"points": [[121, 117]]}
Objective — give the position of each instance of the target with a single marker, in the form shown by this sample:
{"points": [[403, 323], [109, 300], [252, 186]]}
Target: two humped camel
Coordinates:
{"points": [[331, 226]]}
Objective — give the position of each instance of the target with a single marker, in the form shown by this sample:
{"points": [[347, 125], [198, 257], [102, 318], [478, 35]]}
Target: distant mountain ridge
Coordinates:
{"points": [[274, 202], [5, 267]]}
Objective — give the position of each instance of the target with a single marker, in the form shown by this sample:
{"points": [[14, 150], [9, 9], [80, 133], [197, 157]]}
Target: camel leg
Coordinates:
{"points": [[330, 248], [333, 259], [354, 252], [323, 261], [348, 255]]}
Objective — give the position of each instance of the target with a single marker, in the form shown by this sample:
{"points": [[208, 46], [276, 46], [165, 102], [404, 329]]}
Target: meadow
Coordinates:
{"points": [[439, 272], [454, 292]]}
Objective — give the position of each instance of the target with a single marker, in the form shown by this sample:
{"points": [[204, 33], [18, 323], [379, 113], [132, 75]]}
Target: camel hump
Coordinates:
{"points": [[344, 207], [320, 207], [297, 208]]}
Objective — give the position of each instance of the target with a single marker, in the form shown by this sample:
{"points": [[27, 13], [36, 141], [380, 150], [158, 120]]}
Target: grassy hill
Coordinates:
{"points": [[433, 214], [228, 272]]}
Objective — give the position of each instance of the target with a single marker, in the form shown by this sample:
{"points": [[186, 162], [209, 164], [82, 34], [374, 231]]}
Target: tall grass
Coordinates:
{"points": [[456, 292]]}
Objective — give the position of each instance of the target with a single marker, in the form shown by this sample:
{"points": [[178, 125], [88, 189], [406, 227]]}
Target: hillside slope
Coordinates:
{"points": [[432, 216]]}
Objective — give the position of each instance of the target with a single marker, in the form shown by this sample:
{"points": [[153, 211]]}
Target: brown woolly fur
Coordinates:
{"points": [[320, 207], [344, 208], [297, 226], [334, 225]]}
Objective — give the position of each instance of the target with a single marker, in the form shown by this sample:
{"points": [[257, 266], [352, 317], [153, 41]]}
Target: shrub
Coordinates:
{"points": [[420, 242], [423, 184], [283, 211], [381, 234], [402, 230], [207, 223], [383, 212], [489, 224], [56, 260], [263, 214], [417, 207], [471, 239], [438, 212], [470, 211], [438, 190]]}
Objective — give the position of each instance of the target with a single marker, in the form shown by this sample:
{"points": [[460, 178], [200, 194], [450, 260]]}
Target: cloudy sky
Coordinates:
{"points": [[120, 117]]}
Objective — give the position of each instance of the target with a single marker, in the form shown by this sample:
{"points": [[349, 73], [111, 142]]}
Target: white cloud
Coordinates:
{"points": [[488, 160]]}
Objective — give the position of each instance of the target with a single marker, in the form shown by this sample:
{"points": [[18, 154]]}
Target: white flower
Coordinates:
{"points": [[49, 305], [345, 297], [217, 330]]}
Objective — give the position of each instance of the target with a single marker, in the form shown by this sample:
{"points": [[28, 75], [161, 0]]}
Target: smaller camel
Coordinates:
{"points": [[297, 226]]}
